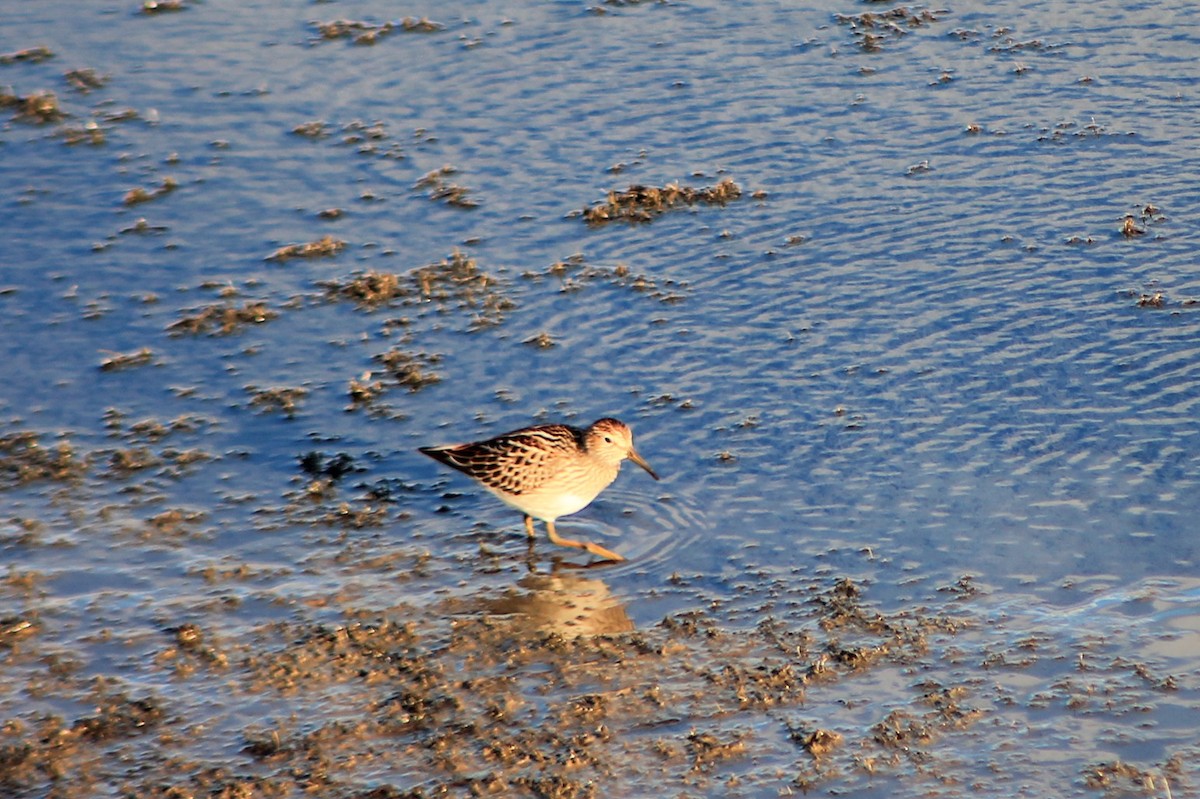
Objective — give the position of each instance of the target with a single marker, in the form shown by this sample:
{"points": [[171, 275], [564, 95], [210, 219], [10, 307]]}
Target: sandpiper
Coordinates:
{"points": [[548, 471]]}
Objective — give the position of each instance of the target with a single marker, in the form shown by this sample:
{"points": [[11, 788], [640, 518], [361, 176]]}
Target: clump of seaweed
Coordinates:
{"points": [[140, 195], [33, 55], [89, 133], [283, 400], [707, 750], [641, 203], [127, 360], [23, 459], [542, 341], [817, 742], [222, 318], [38, 108], [85, 80], [370, 289], [1118, 777], [410, 369], [314, 129], [364, 393], [370, 33], [323, 247], [442, 189]]}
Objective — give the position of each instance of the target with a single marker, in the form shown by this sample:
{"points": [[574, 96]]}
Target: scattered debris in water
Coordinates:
{"points": [[574, 273], [872, 29]]}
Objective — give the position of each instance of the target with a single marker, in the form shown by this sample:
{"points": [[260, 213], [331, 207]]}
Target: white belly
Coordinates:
{"points": [[549, 506]]}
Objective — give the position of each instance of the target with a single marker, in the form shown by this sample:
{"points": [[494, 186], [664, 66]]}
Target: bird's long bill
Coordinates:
{"points": [[640, 461]]}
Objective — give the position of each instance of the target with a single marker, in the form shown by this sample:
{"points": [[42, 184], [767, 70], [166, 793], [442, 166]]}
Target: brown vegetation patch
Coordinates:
{"points": [[817, 742], [542, 341], [151, 430], [127, 360], [277, 400], [371, 289], [315, 129], [641, 203], [39, 108], [125, 462], [89, 133], [440, 188], [191, 647], [222, 318], [531, 709], [522, 690], [370, 33], [364, 393], [23, 459], [1120, 778], [33, 55], [707, 750], [410, 369], [324, 247], [85, 80], [140, 195], [53, 750]]}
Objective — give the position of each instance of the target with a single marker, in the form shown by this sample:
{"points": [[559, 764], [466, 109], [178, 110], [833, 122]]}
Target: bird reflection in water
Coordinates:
{"points": [[567, 600]]}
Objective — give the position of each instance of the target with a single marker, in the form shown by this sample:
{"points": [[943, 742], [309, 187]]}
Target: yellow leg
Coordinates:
{"points": [[529, 526], [595, 549]]}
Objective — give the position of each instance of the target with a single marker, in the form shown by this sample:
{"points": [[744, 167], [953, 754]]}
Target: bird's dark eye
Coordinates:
{"points": [[607, 440]]}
